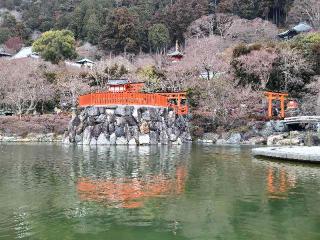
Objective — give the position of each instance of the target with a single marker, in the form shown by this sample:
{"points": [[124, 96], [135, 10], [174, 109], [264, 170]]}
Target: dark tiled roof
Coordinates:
{"points": [[118, 81]]}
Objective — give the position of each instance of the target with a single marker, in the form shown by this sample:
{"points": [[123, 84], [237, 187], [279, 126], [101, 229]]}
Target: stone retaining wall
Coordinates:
{"points": [[122, 125]]}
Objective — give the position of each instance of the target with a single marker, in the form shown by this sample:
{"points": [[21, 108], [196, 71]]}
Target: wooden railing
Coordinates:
{"points": [[144, 99]]}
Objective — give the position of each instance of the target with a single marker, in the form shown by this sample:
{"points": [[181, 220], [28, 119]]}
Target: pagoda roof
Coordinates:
{"points": [[175, 53]]}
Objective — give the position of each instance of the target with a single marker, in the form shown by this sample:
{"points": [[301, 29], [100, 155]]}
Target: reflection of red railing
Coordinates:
{"points": [[177, 101], [131, 193]]}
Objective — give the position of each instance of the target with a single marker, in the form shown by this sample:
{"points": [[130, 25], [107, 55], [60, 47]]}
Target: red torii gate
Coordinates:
{"points": [[276, 96]]}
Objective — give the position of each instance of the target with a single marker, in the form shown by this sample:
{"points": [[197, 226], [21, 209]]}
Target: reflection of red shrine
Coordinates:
{"points": [[124, 92], [130, 193], [278, 185]]}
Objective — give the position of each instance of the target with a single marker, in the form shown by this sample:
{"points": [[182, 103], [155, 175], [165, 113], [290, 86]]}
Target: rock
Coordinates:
{"points": [[186, 137], [78, 139], [121, 141], [66, 141], [120, 121], [109, 111], [113, 139], [146, 115], [131, 120], [171, 118], [154, 138], [135, 114], [97, 129], [93, 142], [178, 142], [211, 137], [154, 114], [256, 141], [86, 136], [101, 118], [235, 138], [75, 121], [119, 131], [144, 128], [279, 126], [102, 110], [93, 111], [144, 139], [132, 141], [221, 142], [164, 138], [111, 128], [102, 140], [274, 139], [123, 111]]}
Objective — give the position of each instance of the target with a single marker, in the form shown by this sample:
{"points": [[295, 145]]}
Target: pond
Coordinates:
{"points": [[159, 192]]}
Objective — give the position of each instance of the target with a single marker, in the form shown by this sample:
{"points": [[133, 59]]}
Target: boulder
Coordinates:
{"points": [[93, 111], [279, 126], [258, 140], [97, 129], [121, 141], [146, 115], [221, 142], [164, 138], [144, 139], [177, 142], [120, 111], [211, 137], [102, 110], [119, 131], [93, 142], [171, 118], [132, 141], [120, 121], [101, 118], [274, 139], [144, 128], [113, 139], [111, 128], [87, 136], [103, 140], [235, 138], [154, 138]]}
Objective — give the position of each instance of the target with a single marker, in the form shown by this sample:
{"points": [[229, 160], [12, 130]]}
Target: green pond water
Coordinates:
{"points": [[178, 192]]}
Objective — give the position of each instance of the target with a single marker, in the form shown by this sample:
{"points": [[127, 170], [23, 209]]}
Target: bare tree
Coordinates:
{"points": [[306, 10], [24, 85], [70, 85], [260, 63]]}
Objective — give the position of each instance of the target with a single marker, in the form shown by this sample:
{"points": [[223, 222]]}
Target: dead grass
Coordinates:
{"points": [[34, 124]]}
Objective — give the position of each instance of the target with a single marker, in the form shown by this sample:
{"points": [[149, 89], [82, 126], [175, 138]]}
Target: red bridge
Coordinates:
{"points": [[122, 92]]}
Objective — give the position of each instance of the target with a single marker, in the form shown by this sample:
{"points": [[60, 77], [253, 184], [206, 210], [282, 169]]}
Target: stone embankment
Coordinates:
{"points": [[272, 133], [127, 125]]}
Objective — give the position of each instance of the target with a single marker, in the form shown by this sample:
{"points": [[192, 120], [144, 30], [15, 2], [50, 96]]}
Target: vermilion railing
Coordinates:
{"points": [[136, 98]]}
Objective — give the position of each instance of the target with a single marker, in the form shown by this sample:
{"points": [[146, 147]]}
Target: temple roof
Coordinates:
{"points": [[118, 81], [85, 60]]}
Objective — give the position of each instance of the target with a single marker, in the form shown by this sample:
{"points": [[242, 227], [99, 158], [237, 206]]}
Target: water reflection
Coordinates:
{"points": [[125, 177], [159, 192]]}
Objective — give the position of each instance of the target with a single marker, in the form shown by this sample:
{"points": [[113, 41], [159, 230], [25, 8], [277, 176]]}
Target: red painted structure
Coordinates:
{"points": [[126, 93]]}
